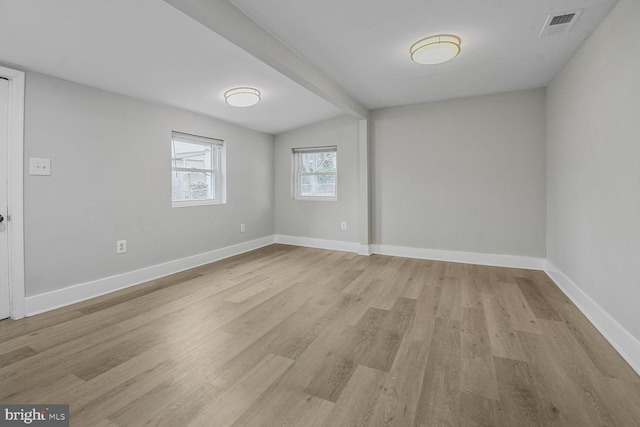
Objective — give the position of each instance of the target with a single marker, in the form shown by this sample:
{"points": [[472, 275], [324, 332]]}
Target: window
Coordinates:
{"points": [[315, 173], [197, 165]]}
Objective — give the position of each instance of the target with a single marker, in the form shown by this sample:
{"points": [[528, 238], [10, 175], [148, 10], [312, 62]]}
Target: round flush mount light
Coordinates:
{"points": [[242, 96], [435, 49]]}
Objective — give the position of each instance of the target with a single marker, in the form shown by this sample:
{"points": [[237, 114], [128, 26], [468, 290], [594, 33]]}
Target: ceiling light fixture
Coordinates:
{"points": [[435, 49], [242, 96]]}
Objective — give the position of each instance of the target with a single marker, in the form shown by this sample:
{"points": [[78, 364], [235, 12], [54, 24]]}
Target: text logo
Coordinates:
{"points": [[34, 415]]}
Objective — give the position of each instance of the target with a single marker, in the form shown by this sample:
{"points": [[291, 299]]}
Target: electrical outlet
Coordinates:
{"points": [[121, 246], [40, 167], [343, 225], [242, 228]]}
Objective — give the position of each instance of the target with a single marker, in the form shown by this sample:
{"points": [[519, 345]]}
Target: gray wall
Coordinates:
{"points": [[110, 162], [593, 109], [319, 219], [462, 175]]}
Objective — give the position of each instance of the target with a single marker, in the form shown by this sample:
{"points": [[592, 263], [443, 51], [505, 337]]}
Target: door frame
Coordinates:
{"points": [[15, 192]]}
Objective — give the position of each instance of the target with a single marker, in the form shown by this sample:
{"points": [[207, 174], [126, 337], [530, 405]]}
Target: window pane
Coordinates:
{"points": [[192, 155], [315, 173], [318, 185], [318, 162], [192, 186]]}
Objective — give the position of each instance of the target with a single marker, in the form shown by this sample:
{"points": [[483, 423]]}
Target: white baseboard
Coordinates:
{"points": [[70, 295], [364, 250], [511, 261], [336, 245], [625, 343], [41, 303]]}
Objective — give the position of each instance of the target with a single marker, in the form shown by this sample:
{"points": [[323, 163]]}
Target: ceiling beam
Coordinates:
{"points": [[228, 21]]}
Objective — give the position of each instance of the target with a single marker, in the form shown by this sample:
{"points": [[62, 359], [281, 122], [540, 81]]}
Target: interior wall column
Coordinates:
{"points": [[364, 231]]}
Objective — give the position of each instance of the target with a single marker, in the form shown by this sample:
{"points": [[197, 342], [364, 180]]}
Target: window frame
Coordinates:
{"points": [[217, 170], [296, 157]]}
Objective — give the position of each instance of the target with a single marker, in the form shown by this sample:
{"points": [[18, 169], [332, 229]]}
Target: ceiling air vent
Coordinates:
{"points": [[559, 24]]}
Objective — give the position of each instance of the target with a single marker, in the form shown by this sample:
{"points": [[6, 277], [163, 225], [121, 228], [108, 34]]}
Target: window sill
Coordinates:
{"points": [[317, 199], [187, 203]]}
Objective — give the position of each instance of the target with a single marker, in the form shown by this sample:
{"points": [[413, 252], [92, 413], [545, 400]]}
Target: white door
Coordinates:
{"points": [[4, 241]]}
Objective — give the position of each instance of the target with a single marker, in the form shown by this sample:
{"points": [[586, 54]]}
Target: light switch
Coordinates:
{"points": [[39, 166]]}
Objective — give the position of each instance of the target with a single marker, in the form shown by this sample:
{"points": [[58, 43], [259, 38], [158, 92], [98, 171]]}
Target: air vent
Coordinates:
{"points": [[560, 23], [562, 19]]}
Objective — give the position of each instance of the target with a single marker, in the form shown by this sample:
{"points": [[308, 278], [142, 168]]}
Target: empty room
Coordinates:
{"points": [[331, 213]]}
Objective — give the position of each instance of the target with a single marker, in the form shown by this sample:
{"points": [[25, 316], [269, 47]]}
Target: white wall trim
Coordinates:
{"points": [[70, 295], [16, 193], [625, 343], [364, 250], [336, 245], [511, 261]]}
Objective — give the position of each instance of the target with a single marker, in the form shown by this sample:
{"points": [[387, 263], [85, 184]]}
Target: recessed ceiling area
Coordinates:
{"points": [[151, 50]]}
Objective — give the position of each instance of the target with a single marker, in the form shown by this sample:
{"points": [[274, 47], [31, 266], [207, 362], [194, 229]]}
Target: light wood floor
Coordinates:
{"points": [[289, 336]]}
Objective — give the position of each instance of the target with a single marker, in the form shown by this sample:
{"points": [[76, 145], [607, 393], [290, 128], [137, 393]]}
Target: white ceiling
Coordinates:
{"points": [[364, 44], [150, 50]]}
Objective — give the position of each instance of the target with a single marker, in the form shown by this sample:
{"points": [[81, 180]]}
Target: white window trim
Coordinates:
{"points": [[15, 195], [295, 167], [219, 170]]}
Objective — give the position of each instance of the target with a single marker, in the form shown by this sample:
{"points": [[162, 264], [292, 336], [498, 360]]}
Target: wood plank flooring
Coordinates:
{"points": [[290, 336]]}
